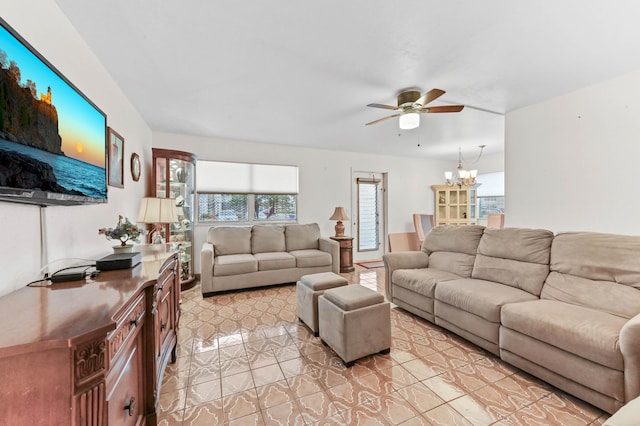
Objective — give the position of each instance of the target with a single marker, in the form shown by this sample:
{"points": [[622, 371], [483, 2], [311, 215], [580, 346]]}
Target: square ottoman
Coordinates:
{"points": [[355, 322], [308, 289]]}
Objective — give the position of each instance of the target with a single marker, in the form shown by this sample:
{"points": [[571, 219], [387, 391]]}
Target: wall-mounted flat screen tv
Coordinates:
{"points": [[52, 137]]}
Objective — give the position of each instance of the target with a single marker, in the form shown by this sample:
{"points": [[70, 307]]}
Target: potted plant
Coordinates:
{"points": [[124, 231]]}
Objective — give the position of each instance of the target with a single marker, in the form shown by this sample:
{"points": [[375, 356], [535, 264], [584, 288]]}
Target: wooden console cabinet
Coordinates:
{"points": [[91, 352]]}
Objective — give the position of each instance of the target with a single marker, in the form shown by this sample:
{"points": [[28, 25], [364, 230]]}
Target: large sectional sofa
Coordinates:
{"points": [[236, 257], [565, 307]]}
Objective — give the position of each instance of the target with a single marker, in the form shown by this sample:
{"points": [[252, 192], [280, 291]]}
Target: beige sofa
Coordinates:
{"points": [[236, 257], [565, 308]]}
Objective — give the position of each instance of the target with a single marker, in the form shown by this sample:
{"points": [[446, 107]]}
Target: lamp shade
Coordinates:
{"points": [[410, 120], [339, 214], [157, 210]]}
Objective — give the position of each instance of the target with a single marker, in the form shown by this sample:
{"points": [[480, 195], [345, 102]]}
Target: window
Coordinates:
{"points": [[236, 207], [275, 207], [223, 207], [490, 194], [242, 192], [488, 205]]}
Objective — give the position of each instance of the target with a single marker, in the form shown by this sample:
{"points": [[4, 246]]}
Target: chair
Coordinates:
{"points": [[495, 220], [404, 241], [423, 224]]}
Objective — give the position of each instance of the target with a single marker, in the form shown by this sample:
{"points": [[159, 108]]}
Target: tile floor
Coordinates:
{"points": [[244, 359]]}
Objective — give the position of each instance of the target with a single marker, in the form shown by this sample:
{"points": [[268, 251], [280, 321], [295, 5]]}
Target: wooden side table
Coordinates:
{"points": [[346, 253]]}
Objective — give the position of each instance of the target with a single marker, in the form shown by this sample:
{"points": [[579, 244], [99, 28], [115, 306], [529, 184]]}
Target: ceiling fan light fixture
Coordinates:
{"points": [[409, 120]]}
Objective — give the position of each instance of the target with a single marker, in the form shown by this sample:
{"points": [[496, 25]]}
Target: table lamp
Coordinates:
{"points": [[157, 211], [339, 214]]}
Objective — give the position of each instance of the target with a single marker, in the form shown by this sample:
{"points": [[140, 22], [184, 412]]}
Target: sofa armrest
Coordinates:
{"points": [[207, 255], [401, 260], [333, 248], [630, 348]]}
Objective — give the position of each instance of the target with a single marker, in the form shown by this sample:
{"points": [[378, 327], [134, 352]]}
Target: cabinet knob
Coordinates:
{"points": [[130, 406], [163, 325]]}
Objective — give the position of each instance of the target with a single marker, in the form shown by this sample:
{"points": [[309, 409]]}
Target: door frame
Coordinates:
{"points": [[382, 214]]}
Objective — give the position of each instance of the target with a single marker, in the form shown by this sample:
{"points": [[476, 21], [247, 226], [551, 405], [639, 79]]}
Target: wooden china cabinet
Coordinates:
{"points": [[174, 176], [91, 352]]}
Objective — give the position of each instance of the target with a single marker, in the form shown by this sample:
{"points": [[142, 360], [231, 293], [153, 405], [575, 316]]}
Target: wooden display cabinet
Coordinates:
{"points": [[174, 176], [455, 205]]}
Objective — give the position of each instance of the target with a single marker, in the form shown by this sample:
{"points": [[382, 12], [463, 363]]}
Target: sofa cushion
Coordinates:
{"points": [[521, 275], [453, 248], [482, 298], [602, 257], [460, 264], [275, 260], [605, 296], [302, 237], [585, 332], [516, 257], [523, 244], [267, 238], [311, 258], [422, 281], [230, 239], [450, 238], [234, 264], [595, 270]]}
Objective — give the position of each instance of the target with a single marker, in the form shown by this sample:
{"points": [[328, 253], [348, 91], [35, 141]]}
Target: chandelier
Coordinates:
{"points": [[465, 177]]}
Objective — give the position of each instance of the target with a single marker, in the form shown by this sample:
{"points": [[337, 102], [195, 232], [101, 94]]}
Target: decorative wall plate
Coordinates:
{"points": [[135, 167]]}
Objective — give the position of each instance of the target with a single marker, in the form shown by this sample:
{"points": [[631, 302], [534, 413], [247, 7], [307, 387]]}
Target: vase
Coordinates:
{"points": [[123, 249]]}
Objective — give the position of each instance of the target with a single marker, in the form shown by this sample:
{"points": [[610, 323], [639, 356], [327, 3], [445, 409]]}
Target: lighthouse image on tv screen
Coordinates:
{"points": [[52, 138]]}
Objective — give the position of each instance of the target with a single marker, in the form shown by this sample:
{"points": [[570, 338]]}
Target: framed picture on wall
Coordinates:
{"points": [[116, 159]]}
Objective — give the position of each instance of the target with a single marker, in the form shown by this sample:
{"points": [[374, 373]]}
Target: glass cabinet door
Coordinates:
{"points": [[181, 232], [175, 178]]}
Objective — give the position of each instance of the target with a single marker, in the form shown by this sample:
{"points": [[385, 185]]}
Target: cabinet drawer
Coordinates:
{"points": [[127, 325], [125, 394]]}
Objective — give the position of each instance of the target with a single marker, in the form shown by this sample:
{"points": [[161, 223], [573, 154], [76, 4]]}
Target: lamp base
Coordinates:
{"points": [[339, 229]]}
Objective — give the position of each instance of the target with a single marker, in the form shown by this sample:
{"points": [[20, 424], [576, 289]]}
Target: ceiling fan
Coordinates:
{"points": [[411, 104]]}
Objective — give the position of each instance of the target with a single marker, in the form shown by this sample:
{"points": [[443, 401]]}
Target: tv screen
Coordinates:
{"points": [[52, 137]]}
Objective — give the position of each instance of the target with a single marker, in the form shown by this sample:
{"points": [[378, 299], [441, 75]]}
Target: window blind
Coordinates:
{"points": [[245, 178], [492, 185]]}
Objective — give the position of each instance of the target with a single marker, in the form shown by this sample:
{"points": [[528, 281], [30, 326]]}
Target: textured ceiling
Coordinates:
{"points": [[300, 72]]}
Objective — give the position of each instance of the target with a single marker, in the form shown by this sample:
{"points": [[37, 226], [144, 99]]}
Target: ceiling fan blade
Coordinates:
{"points": [[382, 119], [430, 96], [382, 106], [445, 108]]}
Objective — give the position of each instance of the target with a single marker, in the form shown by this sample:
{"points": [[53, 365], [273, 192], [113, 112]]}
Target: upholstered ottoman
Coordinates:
{"points": [[308, 289], [355, 322]]}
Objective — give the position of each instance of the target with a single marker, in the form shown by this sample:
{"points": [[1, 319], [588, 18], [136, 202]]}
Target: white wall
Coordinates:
{"points": [[572, 162], [70, 231], [325, 178]]}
